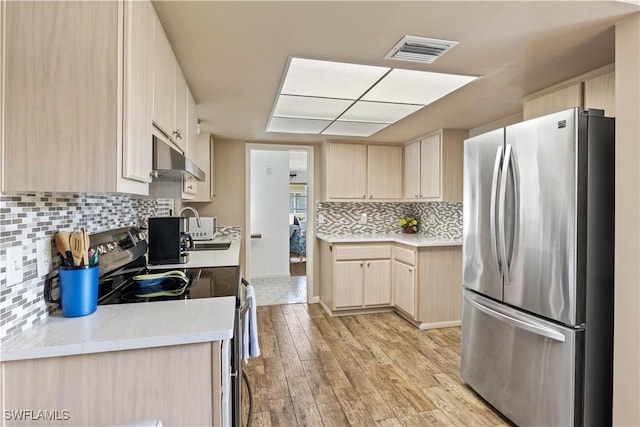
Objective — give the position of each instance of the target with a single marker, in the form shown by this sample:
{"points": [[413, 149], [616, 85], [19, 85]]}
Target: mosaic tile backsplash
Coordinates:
{"points": [[438, 219], [26, 218]]}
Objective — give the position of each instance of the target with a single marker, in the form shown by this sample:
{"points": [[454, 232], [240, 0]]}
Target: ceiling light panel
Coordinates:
{"points": [[378, 112], [306, 107], [415, 87], [354, 128], [327, 79], [288, 125]]}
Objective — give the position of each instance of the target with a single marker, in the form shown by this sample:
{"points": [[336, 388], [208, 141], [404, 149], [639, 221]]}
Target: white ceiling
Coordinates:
{"points": [[234, 54]]}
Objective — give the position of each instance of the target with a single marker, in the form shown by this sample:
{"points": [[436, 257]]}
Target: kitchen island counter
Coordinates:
{"points": [[415, 240], [126, 327]]}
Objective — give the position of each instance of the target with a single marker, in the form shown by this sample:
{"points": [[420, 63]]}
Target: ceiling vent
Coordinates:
{"points": [[419, 49]]}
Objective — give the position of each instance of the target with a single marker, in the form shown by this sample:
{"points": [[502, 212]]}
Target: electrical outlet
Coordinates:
{"points": [[320, 218], [14, 265], [43, 256], [363, 218]]}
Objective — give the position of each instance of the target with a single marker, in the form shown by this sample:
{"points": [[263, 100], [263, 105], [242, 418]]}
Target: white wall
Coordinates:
{"points": [[626, 381], [270, 213]]}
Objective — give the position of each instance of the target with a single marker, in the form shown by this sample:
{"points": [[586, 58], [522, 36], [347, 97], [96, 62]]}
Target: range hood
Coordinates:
{"points": [[171, 165]]}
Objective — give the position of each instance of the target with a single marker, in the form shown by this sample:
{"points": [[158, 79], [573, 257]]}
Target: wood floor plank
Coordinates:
{"points": [[261, 419], [354, 409], [389, 422], [433, 418], [282, 413], [304, 404], [259, 388], [276, 381], [318, 382], [333, 415], [374, 369]]}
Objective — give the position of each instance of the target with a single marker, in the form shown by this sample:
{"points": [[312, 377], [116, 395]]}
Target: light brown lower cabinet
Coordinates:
{"points": [[423, 284], [178, 385]]}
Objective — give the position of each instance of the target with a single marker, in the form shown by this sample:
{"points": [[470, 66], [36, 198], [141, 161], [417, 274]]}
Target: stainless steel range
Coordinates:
{"points": [[125, 279]]}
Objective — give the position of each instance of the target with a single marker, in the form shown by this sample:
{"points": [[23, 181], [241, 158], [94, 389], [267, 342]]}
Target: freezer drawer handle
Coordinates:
{"points": [[538, 330]]}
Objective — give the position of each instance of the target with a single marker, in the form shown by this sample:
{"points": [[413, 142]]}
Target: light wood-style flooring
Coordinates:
{"points": [[365, 370]]}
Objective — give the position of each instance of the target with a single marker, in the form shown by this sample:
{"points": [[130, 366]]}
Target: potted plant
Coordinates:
{"points": [[409, 225]]}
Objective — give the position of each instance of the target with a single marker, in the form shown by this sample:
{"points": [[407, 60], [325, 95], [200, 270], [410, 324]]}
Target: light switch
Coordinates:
{"points": [[14, 265]]}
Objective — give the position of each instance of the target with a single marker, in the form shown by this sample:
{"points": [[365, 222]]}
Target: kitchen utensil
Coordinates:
{"points": [[173, 273], [63, 245], [86, 243], [76, 241]]}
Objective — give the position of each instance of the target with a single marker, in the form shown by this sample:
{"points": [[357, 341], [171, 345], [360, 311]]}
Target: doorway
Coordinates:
{"points": [[279, 218]]}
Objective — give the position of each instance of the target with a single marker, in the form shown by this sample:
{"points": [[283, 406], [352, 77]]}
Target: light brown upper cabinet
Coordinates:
{"points": [[364, 172], [600, 93], [433, 166], [384, 172], [77, 84], [180, 131], [595, 89], [164, 82]]}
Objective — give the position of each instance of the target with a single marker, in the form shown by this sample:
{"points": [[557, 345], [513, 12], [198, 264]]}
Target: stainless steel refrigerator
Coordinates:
{"points": [[538, 227]]}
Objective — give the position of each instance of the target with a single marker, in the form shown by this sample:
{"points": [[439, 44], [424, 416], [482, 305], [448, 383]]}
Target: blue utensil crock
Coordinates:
{"points": [[78, 290]]}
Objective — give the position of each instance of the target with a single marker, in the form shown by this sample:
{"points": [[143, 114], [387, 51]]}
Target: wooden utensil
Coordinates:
{"points": [[63, 245], [76, 241], [85, 250]]}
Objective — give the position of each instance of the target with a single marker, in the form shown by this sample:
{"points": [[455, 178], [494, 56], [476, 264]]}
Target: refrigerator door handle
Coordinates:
{"points": [[502, 213], [494, 207], [536, 329]]}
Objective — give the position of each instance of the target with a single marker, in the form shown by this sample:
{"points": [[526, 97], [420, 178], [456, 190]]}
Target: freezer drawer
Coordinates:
{"points": [[524, 366]]}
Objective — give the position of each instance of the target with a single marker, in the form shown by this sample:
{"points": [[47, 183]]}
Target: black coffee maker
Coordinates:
{"points": [[169, 240]]}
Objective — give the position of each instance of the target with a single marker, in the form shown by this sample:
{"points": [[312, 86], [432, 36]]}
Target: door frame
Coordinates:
{"points": [[311, 208]]}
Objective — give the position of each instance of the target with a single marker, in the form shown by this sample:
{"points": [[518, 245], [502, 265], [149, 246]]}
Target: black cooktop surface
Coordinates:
{"points": [[132, 285]]}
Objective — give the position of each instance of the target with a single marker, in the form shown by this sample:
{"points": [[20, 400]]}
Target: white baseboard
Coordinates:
{"points": [[436, 325], [313, 300], [270, 276]]}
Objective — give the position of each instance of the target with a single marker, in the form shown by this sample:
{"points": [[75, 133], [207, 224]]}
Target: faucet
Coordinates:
{"points": [[195, 212]]}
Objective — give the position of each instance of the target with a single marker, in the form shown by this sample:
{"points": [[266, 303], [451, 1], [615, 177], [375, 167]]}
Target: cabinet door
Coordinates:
{"points": [[204, 150], [347, 174], [180, 131], [384, 172], [412, 171], [138, 90], [377, 282], [61, 96], [164, 81], [348, 284], [191, 186], [430, 167], [600, 93], [404, 288], [559, 100]]}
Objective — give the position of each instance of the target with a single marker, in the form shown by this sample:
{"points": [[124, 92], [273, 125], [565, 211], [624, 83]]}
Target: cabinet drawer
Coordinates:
{"points": [[405, 255], [362, 252]]}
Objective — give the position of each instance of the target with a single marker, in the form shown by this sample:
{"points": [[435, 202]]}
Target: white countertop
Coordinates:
{"points": [[133, 326], [415, 240], [126, 327], [212, 258]]}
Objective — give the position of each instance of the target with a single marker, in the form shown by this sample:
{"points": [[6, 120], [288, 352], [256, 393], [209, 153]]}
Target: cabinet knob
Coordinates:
{"points": [[410, 270], [368, 264], [416, 196], [364, 196], [371, 196], [361, 264], [177, 134], [153, 174]]}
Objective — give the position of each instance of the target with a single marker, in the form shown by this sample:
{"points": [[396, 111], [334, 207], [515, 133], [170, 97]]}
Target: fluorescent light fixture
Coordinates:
{"points": [[354, 128], [337, 98], [305, 107], [327, 79], [288, 125], [378, 112], [415, 87]]}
